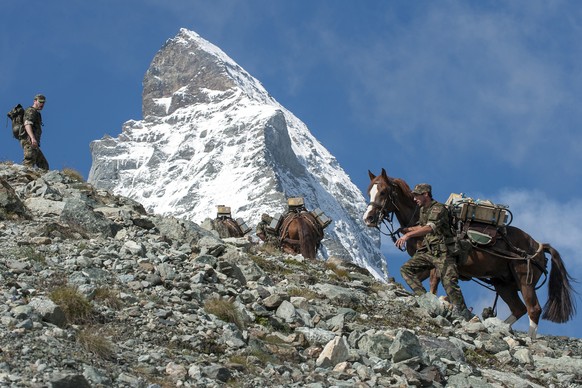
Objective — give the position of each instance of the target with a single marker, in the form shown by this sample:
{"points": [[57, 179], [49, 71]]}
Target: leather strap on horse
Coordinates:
{"points": [[388, 219], [481, 281], [517, 254], [285, 226], [229, 224], [523, 255]]}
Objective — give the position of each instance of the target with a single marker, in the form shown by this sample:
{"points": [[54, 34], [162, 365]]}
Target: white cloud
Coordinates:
{"points": [[548, 220], [462, 78]]}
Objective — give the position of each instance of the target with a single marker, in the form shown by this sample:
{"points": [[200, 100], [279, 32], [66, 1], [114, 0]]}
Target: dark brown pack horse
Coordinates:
{"points": [[300, 233], [501, 265], [227, 227]]}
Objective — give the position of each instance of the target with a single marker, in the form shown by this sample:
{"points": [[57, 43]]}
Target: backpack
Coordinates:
{"points": [[17, 117]]}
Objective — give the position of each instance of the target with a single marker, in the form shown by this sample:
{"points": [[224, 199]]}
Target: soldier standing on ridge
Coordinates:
{"points": [[434, 225], [33, 156]]}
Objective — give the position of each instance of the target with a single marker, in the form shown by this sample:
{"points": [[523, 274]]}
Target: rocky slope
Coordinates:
{"points": [[212, 135], [96, 292]]}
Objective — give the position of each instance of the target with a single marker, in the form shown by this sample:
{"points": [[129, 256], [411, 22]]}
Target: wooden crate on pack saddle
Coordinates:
{"points": [[295, 203], [223, 211], [243, 226], [484, 211], [321, 218]]}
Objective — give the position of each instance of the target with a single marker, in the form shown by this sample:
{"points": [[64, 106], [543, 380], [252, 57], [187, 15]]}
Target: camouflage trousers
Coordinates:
{"points": [[33, 156], [446, 266]]}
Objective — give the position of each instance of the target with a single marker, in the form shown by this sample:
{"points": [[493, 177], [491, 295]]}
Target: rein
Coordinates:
{"points": [[394, 234], [523, 256]]}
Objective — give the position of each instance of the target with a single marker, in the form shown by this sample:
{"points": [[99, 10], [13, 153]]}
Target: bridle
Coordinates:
{"points": [[386, 217]]}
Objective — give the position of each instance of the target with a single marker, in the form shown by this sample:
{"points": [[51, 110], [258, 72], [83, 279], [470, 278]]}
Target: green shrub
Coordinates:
{"points": [[481, 358], [304, 292], [263, 321], [73, 174], [109, 298], [271, 266], [93, 340], [30, 253], [269, 249], [339, 272], [77, 308], [292, 261], [224, 310]]}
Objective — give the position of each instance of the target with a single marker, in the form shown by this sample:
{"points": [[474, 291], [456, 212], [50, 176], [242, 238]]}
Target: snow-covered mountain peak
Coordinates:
{"points": [[211, 135], [196, 72]]}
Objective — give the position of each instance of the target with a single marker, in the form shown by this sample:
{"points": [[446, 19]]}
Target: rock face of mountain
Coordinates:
{"points": [[96, 292], [212, 135]]}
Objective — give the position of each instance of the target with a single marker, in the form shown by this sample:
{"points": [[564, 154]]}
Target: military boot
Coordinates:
{"points": [[461, 314]]}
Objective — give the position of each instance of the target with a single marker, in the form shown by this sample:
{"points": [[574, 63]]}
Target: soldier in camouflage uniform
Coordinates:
{"points": [[30, 143], [434, 225], [263, 232]]}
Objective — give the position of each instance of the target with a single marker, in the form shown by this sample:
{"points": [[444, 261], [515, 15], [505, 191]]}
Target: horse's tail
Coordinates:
{"points": [[560, 306], [307, 242]]}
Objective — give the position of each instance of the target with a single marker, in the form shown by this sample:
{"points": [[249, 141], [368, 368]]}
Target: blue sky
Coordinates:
{"points": [[474, 97]]}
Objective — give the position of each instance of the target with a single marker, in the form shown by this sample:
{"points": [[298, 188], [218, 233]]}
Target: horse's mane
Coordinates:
{"points": [[400, 183], [403, 187]]}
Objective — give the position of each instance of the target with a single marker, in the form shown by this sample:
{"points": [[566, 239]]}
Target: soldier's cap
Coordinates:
{"points": [[40, 98], [422, 188]]}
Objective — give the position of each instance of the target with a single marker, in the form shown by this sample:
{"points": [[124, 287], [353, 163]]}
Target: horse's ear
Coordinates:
{"points": [[384, 173], [372, 176]]}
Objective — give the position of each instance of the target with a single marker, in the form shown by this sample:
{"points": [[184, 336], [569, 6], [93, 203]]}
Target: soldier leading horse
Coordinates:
{"points": [[515, 263]]}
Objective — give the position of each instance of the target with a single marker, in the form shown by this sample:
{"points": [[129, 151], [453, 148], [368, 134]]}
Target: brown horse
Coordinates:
{"points": [[501, 265], [227, 227], [300, 233], [406, 212]]}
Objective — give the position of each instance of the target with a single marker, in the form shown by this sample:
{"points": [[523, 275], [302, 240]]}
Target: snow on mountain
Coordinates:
{"points": [[212, 135]]}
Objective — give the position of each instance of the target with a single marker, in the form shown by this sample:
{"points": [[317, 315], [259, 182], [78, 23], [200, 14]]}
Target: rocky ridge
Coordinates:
{"points": [[96, 292]]}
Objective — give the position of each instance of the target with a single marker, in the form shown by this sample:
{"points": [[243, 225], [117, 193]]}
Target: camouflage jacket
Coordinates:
{"points": [[437, 215], [34, 118], [265, 233]]}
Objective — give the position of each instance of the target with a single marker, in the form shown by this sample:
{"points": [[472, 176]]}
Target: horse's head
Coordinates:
{"points": [[387, 196], [379, 191]]}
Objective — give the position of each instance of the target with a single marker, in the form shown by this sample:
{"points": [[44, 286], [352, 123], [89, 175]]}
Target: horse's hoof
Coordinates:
{"points": [[488, 312]]}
